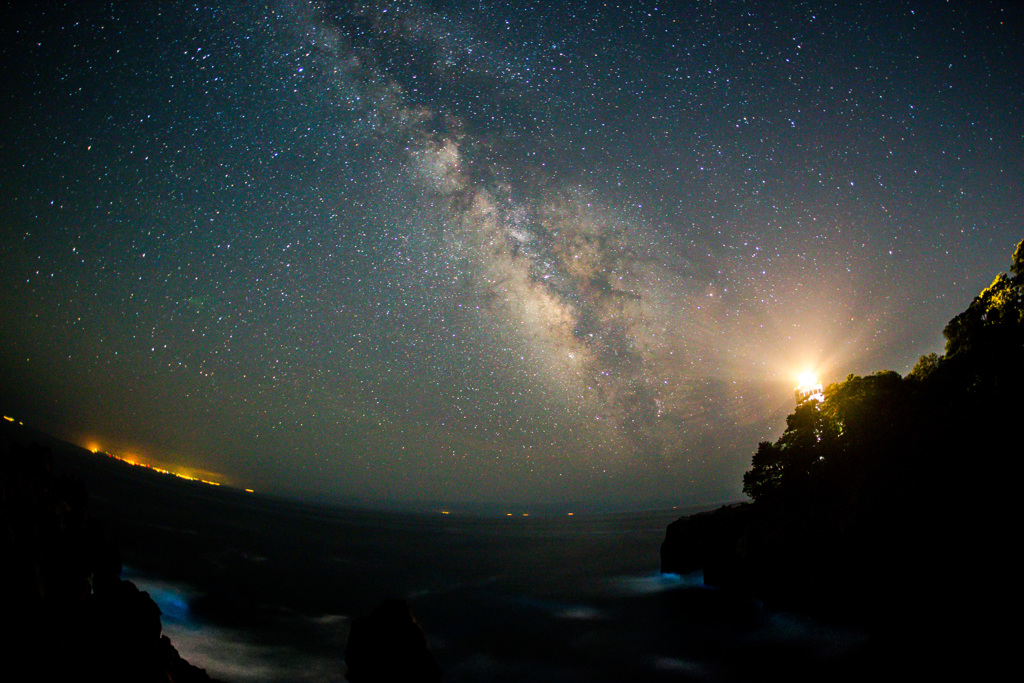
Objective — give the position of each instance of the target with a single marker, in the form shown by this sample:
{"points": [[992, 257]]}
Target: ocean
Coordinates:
{"points": [[257, 589]]}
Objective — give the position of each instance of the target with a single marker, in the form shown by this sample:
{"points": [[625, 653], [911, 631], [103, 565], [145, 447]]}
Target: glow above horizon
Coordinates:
{"points": [[393, 252]]}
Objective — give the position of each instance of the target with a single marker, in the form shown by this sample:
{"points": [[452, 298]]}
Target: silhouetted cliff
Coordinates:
{"points": [[69, 615], [889, 501]]}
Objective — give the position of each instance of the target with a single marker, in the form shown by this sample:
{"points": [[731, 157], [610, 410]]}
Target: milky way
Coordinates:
{"points": [[489, 252], [540, 255]]}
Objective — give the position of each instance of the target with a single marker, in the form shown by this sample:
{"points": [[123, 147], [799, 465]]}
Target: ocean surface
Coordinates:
{"points": [[260, 589]]}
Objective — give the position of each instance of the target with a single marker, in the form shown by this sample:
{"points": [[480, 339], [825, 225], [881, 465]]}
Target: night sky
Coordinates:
{"points": [[488, 252]]}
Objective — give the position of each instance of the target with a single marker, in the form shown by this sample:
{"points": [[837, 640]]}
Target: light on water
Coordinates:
{"points": [[655, 583], [238, 655], [170, 598]]}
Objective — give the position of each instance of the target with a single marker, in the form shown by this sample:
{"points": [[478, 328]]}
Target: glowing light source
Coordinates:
{"points": [[808, 387], [807, 378]]}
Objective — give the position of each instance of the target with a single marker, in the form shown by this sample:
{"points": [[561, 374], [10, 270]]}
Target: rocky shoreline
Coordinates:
{"points": [[928, 583], [69, 613]]}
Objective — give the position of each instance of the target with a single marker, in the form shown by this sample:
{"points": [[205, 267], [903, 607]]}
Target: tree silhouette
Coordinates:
{"points": [[870, 435], [878, 501]]}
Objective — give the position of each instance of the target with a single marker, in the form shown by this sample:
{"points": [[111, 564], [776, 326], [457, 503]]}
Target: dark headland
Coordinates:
{"points": [[887, 501], [68, 613]]}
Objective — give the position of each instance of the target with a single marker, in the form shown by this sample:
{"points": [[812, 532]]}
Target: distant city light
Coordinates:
{"points": [[129, 460]]}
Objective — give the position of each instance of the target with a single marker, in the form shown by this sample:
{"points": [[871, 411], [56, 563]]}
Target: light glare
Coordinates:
{"points": [[807, 378]]}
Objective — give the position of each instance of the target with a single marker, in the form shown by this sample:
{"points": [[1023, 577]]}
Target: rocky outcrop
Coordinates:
{"points": [[68, 613], [388, 645], [795, 556], [902, 574], [710, 541]]}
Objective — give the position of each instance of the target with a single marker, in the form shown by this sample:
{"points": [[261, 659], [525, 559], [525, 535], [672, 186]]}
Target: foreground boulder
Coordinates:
{"points": [[388, 645]]}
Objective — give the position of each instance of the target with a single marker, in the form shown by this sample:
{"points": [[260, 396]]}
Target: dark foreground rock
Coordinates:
{"points": [[67, 613], [930, 586], [805, 557], [388, 645], [710, 541]]}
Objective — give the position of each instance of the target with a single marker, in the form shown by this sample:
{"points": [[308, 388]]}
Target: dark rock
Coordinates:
{"points": [[798, 556], [68, 613], [713, 541], [901, 576], [389, 646]]}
